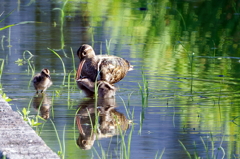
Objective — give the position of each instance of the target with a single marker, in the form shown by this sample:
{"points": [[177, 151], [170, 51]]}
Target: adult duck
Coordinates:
{"points": [[101, 67]]}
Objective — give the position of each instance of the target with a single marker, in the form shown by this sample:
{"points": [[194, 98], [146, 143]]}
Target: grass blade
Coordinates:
{"points": [[64, 69], [185, 149]]}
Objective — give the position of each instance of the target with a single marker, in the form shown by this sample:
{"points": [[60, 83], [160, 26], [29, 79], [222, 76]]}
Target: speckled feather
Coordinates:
{"points": [[112, 68]]}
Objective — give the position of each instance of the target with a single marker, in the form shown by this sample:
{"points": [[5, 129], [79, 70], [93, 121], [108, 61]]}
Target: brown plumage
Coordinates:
{"points": [[105, 90], [42, 81], [110, 68]]}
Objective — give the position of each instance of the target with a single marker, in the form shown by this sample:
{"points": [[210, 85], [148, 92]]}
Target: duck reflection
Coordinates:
{"points": [[109, 123], [44, 102]]}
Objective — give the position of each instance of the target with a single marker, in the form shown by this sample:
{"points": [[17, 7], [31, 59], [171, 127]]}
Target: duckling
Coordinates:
{"points": [[110, 68], [42, 81]]}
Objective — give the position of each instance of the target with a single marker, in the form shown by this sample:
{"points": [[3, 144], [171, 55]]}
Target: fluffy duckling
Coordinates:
{"points": [[42, 81]]}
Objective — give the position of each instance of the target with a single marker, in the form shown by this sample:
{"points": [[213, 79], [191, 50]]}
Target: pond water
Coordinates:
{"points": [[182, 93]]}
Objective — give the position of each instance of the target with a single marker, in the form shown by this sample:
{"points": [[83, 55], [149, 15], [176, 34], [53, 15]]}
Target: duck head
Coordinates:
{"points": [[85, 52], [45, 73]]}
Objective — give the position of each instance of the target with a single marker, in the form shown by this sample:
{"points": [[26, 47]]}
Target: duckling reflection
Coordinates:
{"points": [[42, 101], [110, 120]]}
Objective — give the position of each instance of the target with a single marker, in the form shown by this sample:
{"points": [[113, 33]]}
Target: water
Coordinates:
{"points": [[188, 51]]}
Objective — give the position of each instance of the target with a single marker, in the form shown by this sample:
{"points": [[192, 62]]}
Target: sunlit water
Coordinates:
{"points": [[192, 73]]}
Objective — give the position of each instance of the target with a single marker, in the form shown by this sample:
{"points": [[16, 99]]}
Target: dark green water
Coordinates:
{"points": [[188, 51]]}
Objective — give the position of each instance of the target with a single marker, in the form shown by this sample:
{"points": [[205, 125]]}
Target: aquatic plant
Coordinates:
{"points": [[125, 147], [62, 17], [64, 69], [144, 94], [184, 24], [61, 152], [160, 156], [185, 149], [73, 61], [29, 119], [1, 68], [30, 65], [7, 99], [4, 96], [91, 30], [32, 120], [207, 149], [27, 59], [108, 44], [144, 90], [2, 45], [128, 112], [11, 25]]}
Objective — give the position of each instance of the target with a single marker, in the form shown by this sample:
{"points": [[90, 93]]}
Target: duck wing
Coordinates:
{"points": [[112, 68]]}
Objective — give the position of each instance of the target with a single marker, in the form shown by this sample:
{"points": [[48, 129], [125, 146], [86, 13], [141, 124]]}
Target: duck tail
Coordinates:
{"points": [[130, 68]]}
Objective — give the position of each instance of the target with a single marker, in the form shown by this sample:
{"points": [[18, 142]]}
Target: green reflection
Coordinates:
{"points": [[188, 40]]}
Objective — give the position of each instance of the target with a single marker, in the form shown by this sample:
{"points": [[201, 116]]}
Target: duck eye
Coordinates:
{"points": [[84, 53]]}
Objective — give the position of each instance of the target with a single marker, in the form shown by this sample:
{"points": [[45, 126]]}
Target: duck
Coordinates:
{"points": [[107, 68], [105, 89], [42, 81]]}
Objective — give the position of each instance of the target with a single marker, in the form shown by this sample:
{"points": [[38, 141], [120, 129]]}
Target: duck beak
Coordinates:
{"points": [[48, 76], [78, 74]]}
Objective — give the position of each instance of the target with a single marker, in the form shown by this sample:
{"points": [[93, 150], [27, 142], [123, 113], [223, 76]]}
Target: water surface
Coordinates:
{"points": [[188, 52]]}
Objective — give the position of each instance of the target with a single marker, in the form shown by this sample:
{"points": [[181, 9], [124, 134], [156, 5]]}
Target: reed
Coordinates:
{"points": [[191, 67], [53, 97], [73, 61], [160, 156], [1, 68], [191, 61], [126, 146], [61, 153], [128, 112], [96, 88], [144, 96], [185, 149], [32, 120], [184, 23], [144, 90], [11, 25], [6, 15], [4, 96], [207, 148], [91, 29], [108, 44], [68, 85], [64, 69], [30, 65], [2, 42], [62, 17]]}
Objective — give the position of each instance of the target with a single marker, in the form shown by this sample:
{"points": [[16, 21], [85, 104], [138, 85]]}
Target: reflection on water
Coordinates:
{"points": [[98, 119], [42, 103]]}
